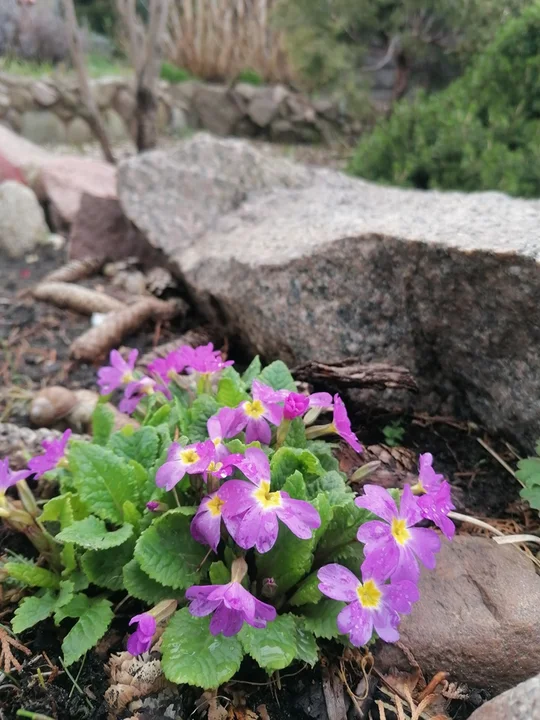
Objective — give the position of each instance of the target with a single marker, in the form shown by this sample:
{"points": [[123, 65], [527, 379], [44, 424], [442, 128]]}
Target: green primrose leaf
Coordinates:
{"points": [[322, 504], [67, 591], [287, 562], [88, 630], [295, 486], [33, 610], [103, 480], [323, 451], [192, 655], [219, 573], [139, 585], [167, 552], [29, 574], [273, 647], [91, 533], [159, 417], [74, 608], [143, 446], [64, 509], [296, 437], [229, 393], [131, 514], [334, 485], [252, 371], [203, 408], [308, 592], [341, 531], [321, 619], [278, 376], [307, 649], [105, 568], [102, 424], [532, 496], [286, 460]]}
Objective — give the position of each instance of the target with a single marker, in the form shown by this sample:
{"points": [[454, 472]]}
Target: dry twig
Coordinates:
{"points": [[75, 270], [76, 297], [350, 373], [7, 659]]}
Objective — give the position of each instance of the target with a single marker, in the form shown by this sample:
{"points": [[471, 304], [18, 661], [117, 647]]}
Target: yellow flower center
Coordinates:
{"points": [[369, 594], [189, 457], [216, 441], [214, 466], [214, 506], [418, 489], [399, 531], [62, 463], [254, 409], [171, 374], [265, 498], [127, 377]]}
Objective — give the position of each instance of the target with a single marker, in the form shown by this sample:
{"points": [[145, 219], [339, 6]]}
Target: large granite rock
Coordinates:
{"points": [[310, 263], [520, 703], [22, 221], [477, 617]]}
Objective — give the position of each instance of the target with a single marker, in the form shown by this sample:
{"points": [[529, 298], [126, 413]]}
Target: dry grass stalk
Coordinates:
{"points": [[217, 39], [76, 297], [76, 270], [97, 341]]}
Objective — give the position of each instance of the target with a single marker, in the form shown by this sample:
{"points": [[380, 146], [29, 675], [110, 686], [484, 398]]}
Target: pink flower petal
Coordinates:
{"points": [[409, 510], [378, 501], [338, 583], [357, 623], [299, 516], [426, 544]]}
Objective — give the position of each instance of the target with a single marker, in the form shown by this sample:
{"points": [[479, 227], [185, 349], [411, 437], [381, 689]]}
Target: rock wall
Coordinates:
{"points": [[50, 111]]}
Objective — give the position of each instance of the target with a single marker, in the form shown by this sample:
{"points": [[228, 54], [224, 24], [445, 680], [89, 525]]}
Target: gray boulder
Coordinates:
{"points": [[519, 703], [22, 221], [310, 263]]}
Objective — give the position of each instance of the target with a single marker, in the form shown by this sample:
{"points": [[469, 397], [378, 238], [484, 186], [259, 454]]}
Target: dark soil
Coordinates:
{"points": [[34, 344]]}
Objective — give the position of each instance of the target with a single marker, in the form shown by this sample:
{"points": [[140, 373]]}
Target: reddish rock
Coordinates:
{"points": [[26, 156], [8, 171]]}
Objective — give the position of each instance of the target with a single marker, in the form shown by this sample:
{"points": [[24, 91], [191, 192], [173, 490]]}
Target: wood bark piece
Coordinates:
{"points": [[350, 373], [76, 270], [198, 336], [76, 297], [97, 341]]}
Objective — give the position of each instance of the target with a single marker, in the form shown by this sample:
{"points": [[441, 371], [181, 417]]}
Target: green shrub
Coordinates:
{"points": [[249, 76], [481, 133], [173, 74]]}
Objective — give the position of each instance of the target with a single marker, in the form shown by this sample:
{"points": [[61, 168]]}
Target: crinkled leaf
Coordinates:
{"points": [[103, 479], [64, 509], [307, 649], [323, 451], [139, 585], [203, 408], [141, 446], [295, 486], [326, 513], [287, 562], [92, 534], [334, 485], [296, 437], [102, 424], [252, 371], [88, 630], [230, 393], [33, 610], [236, 446], [192, 655], [308, 591], [341, 530], [278, 376], [29, 574], [79, 580], [105, 568], [167, 552], [287, 459], [219, 573], [321, 619], [158, 417], [273, 647], [131, 515], [67, 591], [74, 608]]}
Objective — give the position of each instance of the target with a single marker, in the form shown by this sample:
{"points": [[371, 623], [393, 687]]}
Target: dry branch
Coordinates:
{"points": [[350, 373], [77, 57], [77, 298], [199, 336], [76, 270], [97, 341]]}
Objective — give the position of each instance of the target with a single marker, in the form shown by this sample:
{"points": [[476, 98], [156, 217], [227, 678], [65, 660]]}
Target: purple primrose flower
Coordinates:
{"points": [[141, 640], [118, 373], [372, 604], [265, 407], [192, 459], [166, 368], [8, 478], [295, 405], [436, 505], [342, 425], [232, 606], [428, 480], [206, 525], [225, 424], [252, 511], [152, 505], [52, 457], [136, 390], [204, 359], [391, 547]]}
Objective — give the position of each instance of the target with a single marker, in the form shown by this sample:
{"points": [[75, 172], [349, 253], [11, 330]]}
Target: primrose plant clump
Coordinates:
{"points": [[223, 510]]}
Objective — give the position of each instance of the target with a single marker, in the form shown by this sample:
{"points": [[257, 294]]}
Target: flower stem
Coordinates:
{"points": [[319, 431]]}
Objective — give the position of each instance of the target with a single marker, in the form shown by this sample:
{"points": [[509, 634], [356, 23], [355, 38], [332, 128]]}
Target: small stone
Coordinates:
{"points": [[104, 90], [520, 703], [179, 121], [265, 104], [79, 132], [22, 221], [116, 128], [55, 241], [217, 111], [124, 103], [44, 93], [43, 127]]}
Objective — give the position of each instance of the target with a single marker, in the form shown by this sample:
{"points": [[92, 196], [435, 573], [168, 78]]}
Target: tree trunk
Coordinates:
{"points": [[77, 58]]}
